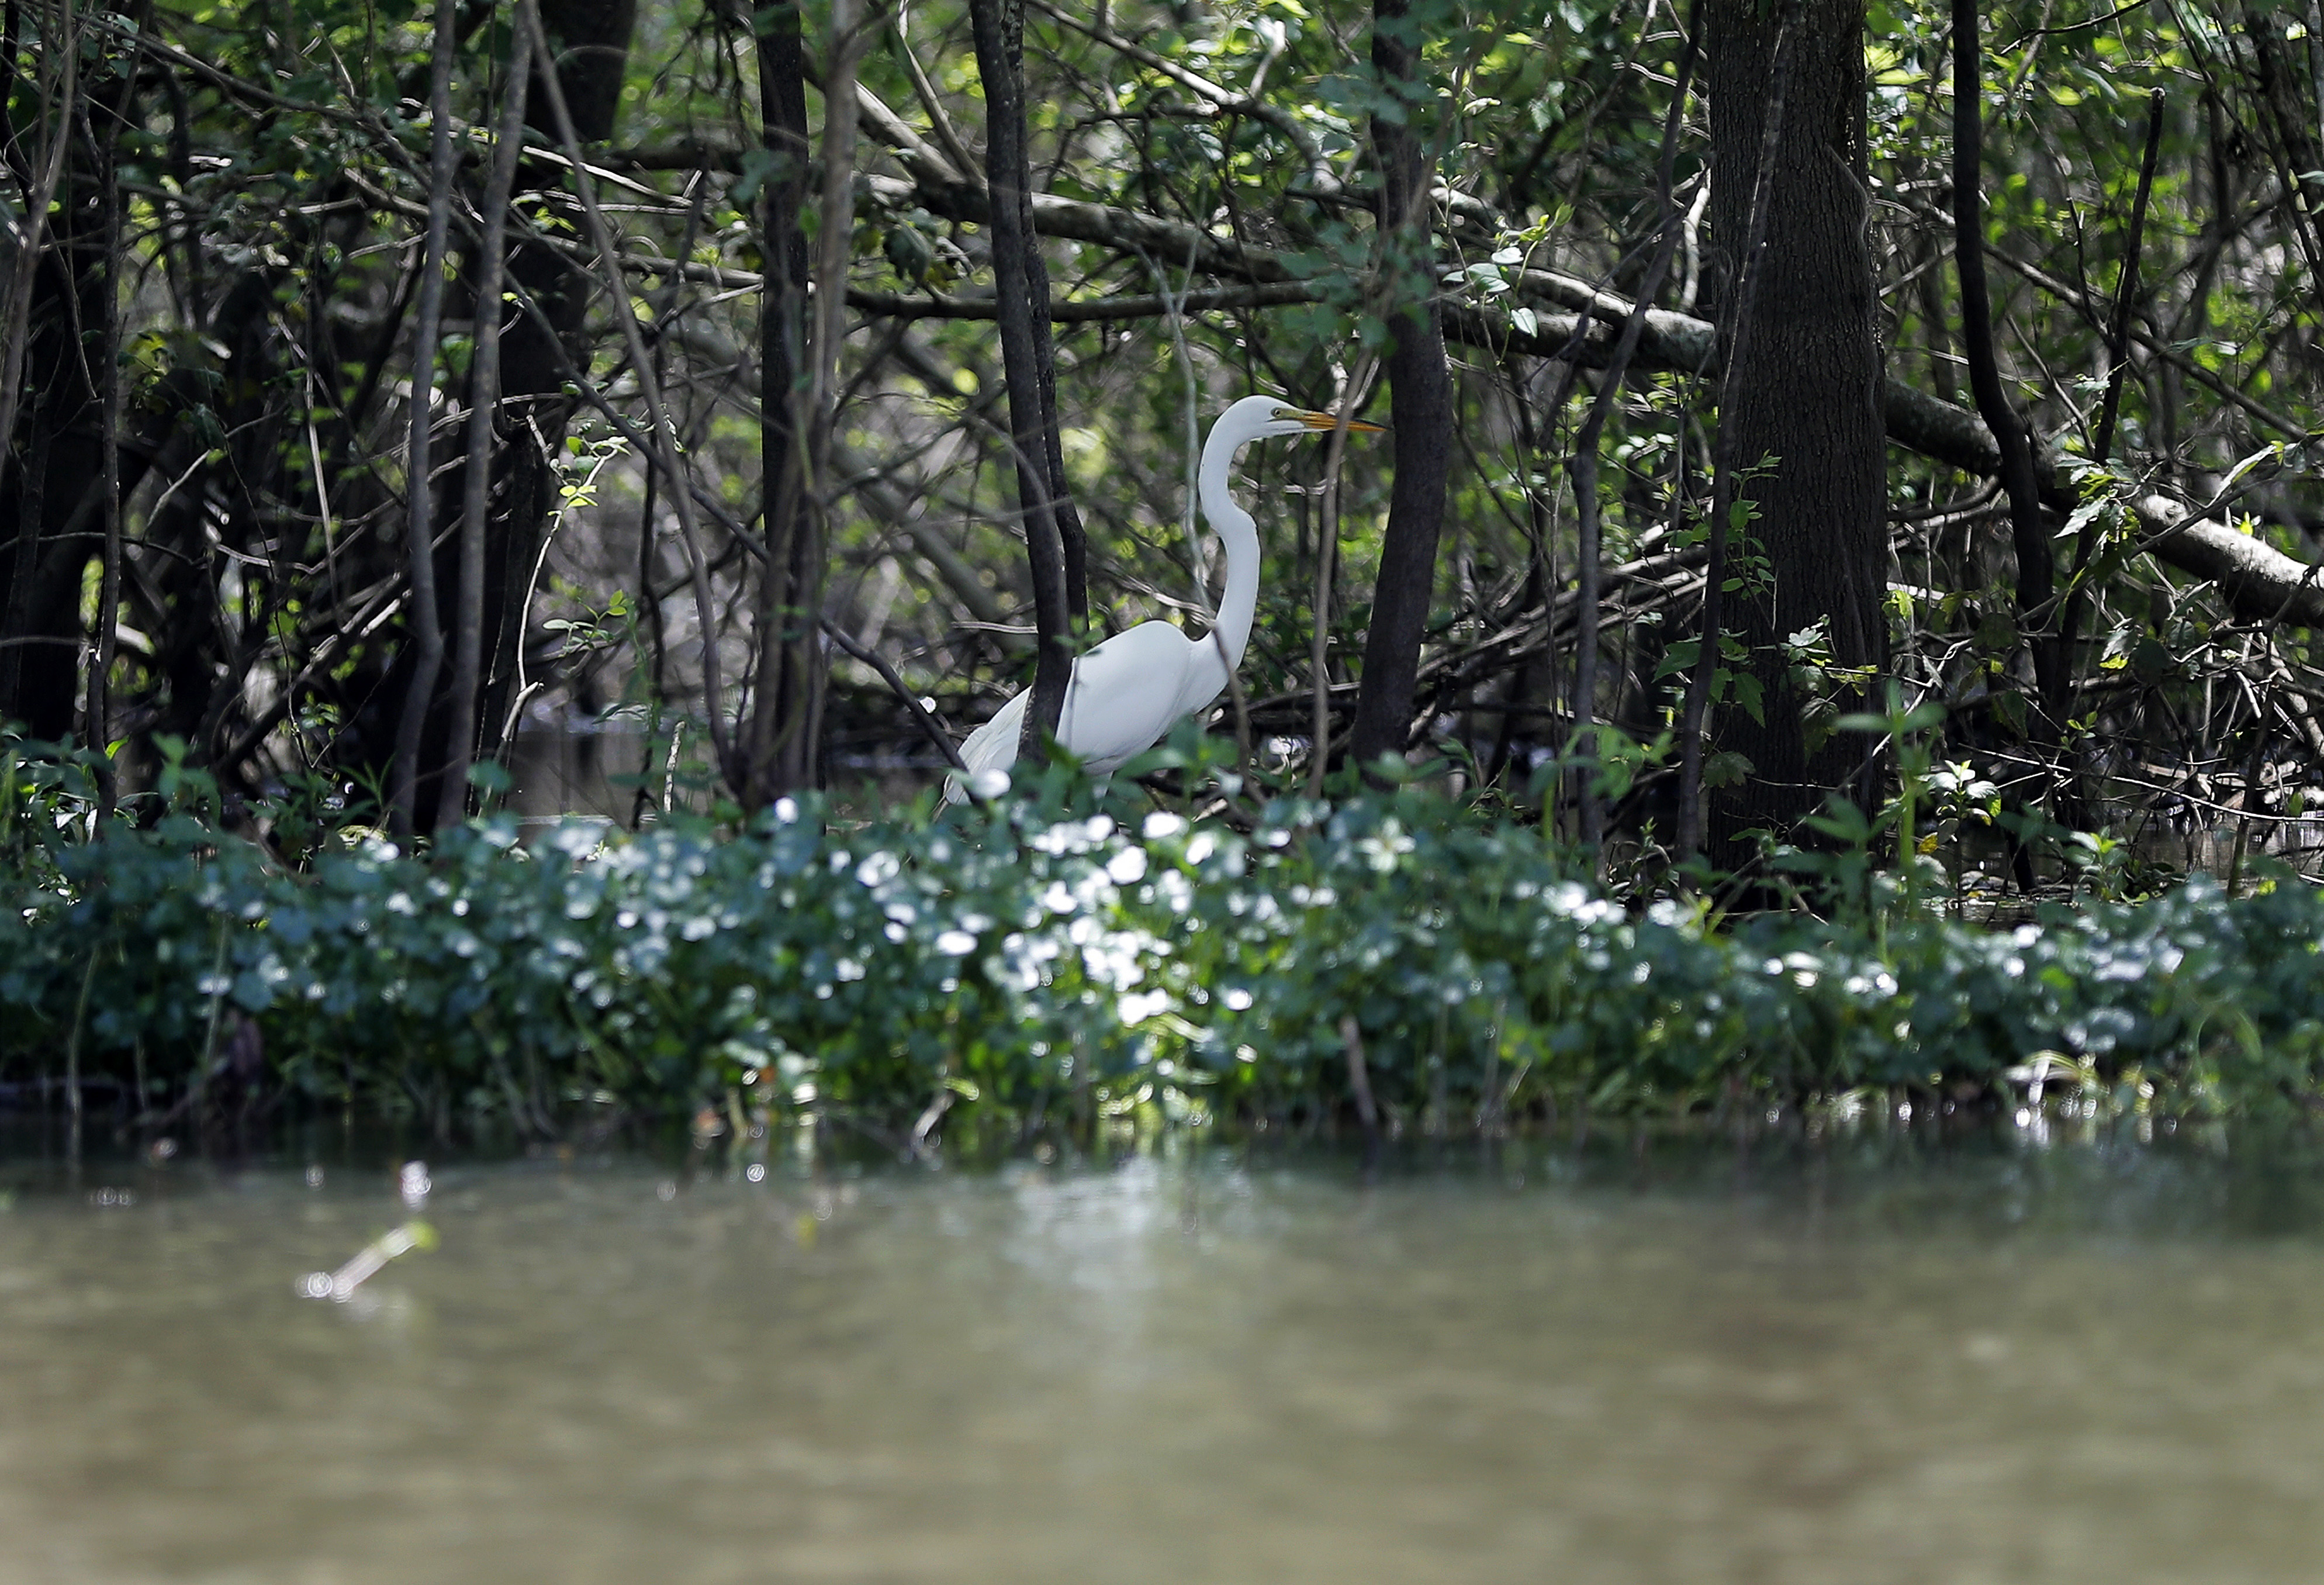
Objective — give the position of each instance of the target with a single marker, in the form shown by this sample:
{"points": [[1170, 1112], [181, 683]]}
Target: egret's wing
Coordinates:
{"points": [[991, 747], [1127, 695]]}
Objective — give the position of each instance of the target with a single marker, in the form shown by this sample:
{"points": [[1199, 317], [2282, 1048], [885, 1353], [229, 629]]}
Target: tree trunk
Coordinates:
{"points": [[779, 747], [419, 520], [484, 425], [1053, 534], [592, 41], [55, 454], [2029, 534], [1420, 402], [589, 41], [1808, 399]]}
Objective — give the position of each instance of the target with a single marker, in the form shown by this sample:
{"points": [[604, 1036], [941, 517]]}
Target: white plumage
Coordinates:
{"points": [[1127, 692]]}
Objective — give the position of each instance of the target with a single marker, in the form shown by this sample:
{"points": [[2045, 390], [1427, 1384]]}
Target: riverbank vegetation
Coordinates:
{"points": [[1397, 962], [1852, 502]]}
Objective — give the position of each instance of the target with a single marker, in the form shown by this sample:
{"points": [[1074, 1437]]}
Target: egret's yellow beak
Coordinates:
{"points": [[1328, 422]]}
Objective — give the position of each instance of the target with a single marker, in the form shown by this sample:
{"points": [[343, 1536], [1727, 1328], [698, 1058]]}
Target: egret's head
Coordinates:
{"points": [[1305, 421], [1258, 417]]}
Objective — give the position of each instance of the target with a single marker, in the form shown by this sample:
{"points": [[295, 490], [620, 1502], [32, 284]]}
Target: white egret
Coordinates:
{"points": [[1128, 691]]}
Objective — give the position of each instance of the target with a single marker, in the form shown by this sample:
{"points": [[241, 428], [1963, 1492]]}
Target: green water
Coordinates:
{"points": [[1869, 1362]]}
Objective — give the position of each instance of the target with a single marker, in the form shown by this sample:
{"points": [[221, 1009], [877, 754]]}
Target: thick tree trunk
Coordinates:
{"points": [[1808, 399], [1420, 404], [780, 743], [1052, 534]]}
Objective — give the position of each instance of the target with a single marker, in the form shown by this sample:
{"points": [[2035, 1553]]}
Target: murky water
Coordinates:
{"points": [[1948, 1364]]}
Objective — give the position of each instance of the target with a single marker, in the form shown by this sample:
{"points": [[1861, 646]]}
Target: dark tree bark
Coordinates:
{"points": [[483, 422], [102, 127], [782, 742], [1420, 400], [419, 520], [591, 53], [588, 54], [1584, 464], [1053, 532], [1735, 357], [1808, 397], [55, 450], [2029, 534]]}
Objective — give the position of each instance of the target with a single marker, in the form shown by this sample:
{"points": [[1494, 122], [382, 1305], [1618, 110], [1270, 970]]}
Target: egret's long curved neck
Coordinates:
{"points": [[1236, 530]]}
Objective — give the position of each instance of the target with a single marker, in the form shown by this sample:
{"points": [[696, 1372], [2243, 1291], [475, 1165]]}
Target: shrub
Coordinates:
{"points": [[1033, 965]]}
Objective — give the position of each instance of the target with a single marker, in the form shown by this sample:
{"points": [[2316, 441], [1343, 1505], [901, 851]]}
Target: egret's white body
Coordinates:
{"points": [[1127, 692]]}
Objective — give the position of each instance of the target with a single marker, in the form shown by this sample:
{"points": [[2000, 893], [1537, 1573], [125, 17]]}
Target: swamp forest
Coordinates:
{"points": [[509, 509]]}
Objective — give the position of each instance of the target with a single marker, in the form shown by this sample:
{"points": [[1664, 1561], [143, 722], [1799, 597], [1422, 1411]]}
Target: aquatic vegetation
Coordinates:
{"points": [[1034, 967]]}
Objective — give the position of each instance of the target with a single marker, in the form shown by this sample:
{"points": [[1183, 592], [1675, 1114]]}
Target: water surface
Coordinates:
{"points": [[1856, 1364]]}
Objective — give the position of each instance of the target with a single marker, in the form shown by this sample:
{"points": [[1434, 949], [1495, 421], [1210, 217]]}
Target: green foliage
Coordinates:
{"points": [[1036, 964]]}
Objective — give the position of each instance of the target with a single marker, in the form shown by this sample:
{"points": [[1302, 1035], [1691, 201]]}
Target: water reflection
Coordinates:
{"points": [[1872, 1361]]}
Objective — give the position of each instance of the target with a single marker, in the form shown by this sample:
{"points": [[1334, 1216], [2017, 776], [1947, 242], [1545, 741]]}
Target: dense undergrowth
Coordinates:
{"points": [[1034, 970]]}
